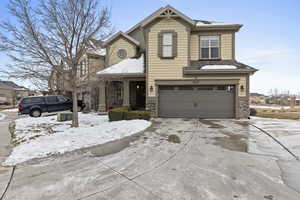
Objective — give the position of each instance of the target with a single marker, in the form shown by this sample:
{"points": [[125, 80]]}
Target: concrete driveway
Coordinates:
{"points": [[211, 162]]}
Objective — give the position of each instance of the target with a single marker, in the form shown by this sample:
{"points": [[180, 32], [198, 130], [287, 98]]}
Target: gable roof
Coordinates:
{"points": [[9, 85], [121, 34], [168, 10], [96, 48], [157, 13], [5, 86], [198, 24]]}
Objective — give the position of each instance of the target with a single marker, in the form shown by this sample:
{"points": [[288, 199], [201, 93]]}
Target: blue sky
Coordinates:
{"points": [[269, 40]]}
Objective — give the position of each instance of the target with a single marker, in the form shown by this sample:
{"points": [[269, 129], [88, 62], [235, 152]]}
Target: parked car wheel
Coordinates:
{"points": [[35, 113]]}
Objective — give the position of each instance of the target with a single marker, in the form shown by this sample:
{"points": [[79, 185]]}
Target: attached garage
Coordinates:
{"points": [[197, 101]]}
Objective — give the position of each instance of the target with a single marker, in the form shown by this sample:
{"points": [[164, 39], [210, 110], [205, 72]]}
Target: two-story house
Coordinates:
{"points": [[175, 66], [87, 81], [90, 63], [11, 93]]}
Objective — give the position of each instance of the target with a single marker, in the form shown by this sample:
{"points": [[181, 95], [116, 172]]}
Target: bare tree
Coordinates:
{"points": [[43, 35]]}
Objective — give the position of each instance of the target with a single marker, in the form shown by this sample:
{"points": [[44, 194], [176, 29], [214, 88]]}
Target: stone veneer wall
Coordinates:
{"points": [[243, 106], [151, 105]]}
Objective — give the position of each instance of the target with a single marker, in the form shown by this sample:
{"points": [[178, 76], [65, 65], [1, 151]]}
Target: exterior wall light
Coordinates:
{"points": [[151, 88], [242, 88]]}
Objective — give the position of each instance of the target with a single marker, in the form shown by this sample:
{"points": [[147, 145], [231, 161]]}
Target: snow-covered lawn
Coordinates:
{"points": [[41, 137], [2, 116], [11, 110]]}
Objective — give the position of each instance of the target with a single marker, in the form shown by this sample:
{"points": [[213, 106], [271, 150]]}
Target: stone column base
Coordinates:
{"points": [[151, 106], [244, 110]]}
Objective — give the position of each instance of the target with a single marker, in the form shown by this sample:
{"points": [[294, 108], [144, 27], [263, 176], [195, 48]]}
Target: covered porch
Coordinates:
{"points": [[123, 85], [122, 92]]}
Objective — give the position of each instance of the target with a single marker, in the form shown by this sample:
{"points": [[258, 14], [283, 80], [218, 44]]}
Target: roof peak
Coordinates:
{"points": [[120, 33]]}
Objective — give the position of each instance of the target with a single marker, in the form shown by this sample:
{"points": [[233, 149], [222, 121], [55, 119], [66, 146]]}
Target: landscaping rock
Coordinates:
{"points": [[65, 116]]}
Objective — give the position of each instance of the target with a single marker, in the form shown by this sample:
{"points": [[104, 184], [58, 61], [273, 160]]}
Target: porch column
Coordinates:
{"points": [[126, 93], [102, 97], [87, 99]]}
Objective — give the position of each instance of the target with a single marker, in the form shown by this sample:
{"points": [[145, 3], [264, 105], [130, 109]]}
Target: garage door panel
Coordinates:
{"points": [[199, 102]]}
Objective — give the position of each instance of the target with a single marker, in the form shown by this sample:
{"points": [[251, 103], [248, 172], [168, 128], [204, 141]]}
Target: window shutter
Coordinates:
{"points": [[174, 44], [159, 45]]}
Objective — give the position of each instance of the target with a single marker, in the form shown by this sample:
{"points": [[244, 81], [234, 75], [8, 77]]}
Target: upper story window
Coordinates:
{"points": [[122, 53], [167, 44], [82, 70], [210, 47]]}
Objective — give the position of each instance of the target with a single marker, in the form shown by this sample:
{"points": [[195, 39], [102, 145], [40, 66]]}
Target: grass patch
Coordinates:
{"points": [[279, 115]]}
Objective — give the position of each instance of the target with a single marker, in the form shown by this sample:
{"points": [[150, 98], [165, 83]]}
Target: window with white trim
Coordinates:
{"points": [[83, 69], [210, 47], [167, 45]]}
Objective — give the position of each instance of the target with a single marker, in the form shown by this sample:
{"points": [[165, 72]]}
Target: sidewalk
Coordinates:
{"points": [[5, 135], [5, 147]]}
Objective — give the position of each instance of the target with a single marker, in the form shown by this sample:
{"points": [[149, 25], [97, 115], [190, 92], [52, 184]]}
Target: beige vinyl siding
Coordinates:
{"points": [[166, 68], [120, 43], [226, 45], [172, 69], [194, 45], [7, 95], [243, 82], [138, 35], [95, 65]]}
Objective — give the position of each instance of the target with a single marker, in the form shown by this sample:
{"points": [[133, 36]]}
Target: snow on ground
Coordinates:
{"points": [[270, 107], [2, 116], [44, 136], [11, 110], [219, 67]]}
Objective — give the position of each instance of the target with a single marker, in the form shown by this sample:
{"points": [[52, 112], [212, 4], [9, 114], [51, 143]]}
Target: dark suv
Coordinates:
{"points": [[36, 105]]}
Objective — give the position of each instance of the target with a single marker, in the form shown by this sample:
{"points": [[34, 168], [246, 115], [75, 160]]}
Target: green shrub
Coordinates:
{"points": [[117, 114], [129, 115]]}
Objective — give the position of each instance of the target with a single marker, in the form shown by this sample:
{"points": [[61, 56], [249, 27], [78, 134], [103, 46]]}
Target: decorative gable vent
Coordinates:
{"points": [[168, 13]]}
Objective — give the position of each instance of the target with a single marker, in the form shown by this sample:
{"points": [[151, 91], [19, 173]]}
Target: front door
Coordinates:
{"points": [[140, 95], [137, 95]]}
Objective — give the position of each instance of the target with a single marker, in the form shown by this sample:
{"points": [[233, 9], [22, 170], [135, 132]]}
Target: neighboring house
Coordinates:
{"points": [[175, 66], [11, 93], [60, 81], [282, 99], [256, 98], [88, 86], [297, 103]]}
